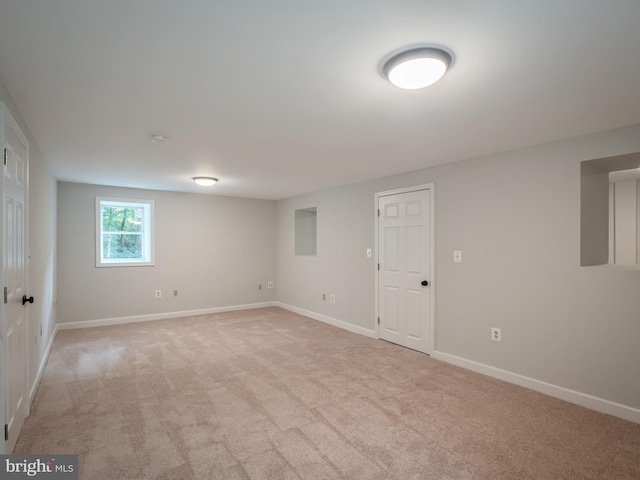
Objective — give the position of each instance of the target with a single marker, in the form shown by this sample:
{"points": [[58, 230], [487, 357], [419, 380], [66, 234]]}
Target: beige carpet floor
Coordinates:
{"points": [[268, 394]]}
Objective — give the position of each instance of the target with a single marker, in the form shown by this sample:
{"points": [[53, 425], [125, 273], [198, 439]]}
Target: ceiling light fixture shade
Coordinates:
{"points": [[417, 67], [205, 181], [158, 137]]}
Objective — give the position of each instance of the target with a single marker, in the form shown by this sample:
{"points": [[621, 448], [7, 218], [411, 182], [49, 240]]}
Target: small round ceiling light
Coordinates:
{"points": [[205, 181], [158, 138], [417, 67]]}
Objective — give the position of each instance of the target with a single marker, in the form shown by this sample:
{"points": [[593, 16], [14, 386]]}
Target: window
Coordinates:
{"points": [[124, 231]]}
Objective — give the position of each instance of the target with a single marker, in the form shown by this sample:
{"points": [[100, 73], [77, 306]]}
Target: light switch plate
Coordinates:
{"points": [[457, 256]]}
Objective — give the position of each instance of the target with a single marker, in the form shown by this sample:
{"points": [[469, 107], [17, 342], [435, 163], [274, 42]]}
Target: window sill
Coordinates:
{"points": [[125, 264]]}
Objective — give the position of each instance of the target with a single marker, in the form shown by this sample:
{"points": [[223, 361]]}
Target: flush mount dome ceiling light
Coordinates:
{"points": [[158, 137], [205, 181], [418, 67]]}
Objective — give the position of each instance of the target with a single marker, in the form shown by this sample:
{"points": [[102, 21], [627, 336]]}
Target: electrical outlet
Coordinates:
{"points": [[158, 293], [270, 285], [496, 334], [324, 297], [333, 298]]}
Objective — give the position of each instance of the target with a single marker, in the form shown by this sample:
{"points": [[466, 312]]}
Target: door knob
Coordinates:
{"points": [[425, 283], [25, 299]]}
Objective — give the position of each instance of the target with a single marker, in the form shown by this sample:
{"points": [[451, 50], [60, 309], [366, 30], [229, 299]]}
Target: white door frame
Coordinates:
{"points": [[2, 113], [5, 116], [432, 290]]}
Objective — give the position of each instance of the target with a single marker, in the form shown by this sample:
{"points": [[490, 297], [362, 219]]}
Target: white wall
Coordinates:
{"points": [[214, 250], [638, 221], [594, 215], [516, 217], [42, 263], [41, 249], [625, 219]]}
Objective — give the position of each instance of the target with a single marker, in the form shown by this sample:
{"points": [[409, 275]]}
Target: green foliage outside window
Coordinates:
{"points": [[121, 232]]}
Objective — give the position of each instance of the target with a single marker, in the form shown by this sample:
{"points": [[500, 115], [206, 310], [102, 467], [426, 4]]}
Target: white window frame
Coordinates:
{"points": [[147, 232]]}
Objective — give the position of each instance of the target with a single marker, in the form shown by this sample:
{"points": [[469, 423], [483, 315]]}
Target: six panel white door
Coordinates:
{"points": [[14, 325], [404, 256]]}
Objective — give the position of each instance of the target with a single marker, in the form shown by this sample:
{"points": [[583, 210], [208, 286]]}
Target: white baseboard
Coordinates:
{"points": [[43, 363], [159, 316], [331, 321], [578, 398]]}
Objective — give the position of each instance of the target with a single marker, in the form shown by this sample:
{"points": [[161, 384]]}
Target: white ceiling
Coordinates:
{"points": [[283, 97]]}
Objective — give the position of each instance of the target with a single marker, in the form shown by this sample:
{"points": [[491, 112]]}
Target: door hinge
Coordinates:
{"points": [[5, 294], [5, 157], [378, 209], [378, 267], [378, 320], [6, 432]]}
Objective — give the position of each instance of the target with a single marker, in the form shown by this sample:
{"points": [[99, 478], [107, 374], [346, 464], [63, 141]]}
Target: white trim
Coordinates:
{"points": [[431, 187], [588, 401], [330, 320], [14, 126], [148, 234], [159, 316], [43, 363]]}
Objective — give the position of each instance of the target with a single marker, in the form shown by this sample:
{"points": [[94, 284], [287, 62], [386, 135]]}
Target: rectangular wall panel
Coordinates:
{"points": [[391, 260], [413, 238], [413, 300], [391, 308]]}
